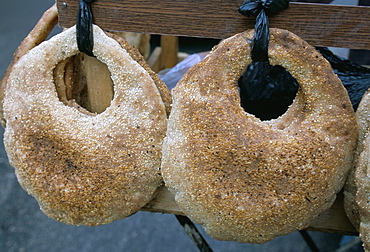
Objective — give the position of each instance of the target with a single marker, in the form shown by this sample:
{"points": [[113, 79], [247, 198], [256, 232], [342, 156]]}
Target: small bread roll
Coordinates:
{"points": [[83, 168], [249, 180]]}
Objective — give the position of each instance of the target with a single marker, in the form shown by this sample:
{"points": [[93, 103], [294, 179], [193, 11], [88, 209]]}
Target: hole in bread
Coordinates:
{"points": [[85, 83], [267, 91]]}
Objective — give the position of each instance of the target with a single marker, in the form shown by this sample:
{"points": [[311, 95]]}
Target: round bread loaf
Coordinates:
{"points": [[249, 180], [350, 188], [357, 186], [83, 168]]}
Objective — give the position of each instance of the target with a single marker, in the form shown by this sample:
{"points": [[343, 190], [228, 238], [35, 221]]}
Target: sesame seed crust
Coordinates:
{"points": [[249, 180], [84, 169]]}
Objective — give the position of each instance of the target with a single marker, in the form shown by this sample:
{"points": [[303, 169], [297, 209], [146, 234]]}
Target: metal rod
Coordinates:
{"points": [[194, 234], [309, 241]]}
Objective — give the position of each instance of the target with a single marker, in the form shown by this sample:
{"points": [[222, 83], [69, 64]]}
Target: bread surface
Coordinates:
{"points": [[249, 180], [83, 168], [357, 187]]}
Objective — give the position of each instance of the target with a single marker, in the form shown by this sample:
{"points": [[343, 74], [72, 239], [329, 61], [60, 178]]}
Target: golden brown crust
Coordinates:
{"points": [[84, 169], [349, 192], [141, 41], [357, 186], [249, 180], [38, 34], [350, 188], [362, 194], [43, 28], [136, 55]]}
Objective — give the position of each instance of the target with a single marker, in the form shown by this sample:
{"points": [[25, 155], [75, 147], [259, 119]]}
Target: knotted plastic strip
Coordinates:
{"points": [[84, 34], [262, 9], [265, 91]]}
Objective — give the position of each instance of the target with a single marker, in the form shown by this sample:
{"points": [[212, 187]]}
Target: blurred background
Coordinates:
{"points": [[23, 227]]}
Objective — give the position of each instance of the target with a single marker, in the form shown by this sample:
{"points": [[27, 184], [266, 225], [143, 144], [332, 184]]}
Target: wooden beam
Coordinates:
{"points": [[170, 49], [333, 220], [318, 24]]}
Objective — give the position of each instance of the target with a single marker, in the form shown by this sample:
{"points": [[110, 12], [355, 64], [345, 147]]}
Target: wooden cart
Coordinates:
{"points": [[318, 24]]}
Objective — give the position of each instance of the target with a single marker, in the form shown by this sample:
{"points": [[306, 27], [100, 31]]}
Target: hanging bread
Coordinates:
{"points": [[350, 187], [85, 168], [357, 187], [249, 180], [38, 34]]}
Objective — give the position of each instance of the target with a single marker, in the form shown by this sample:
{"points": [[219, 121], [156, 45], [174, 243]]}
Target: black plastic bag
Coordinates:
{"points": [[266, 91], [355, 78], [261, 89]]}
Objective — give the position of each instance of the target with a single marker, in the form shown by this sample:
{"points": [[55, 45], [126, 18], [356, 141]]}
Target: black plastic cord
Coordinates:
{"points": [[84, 30]]}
